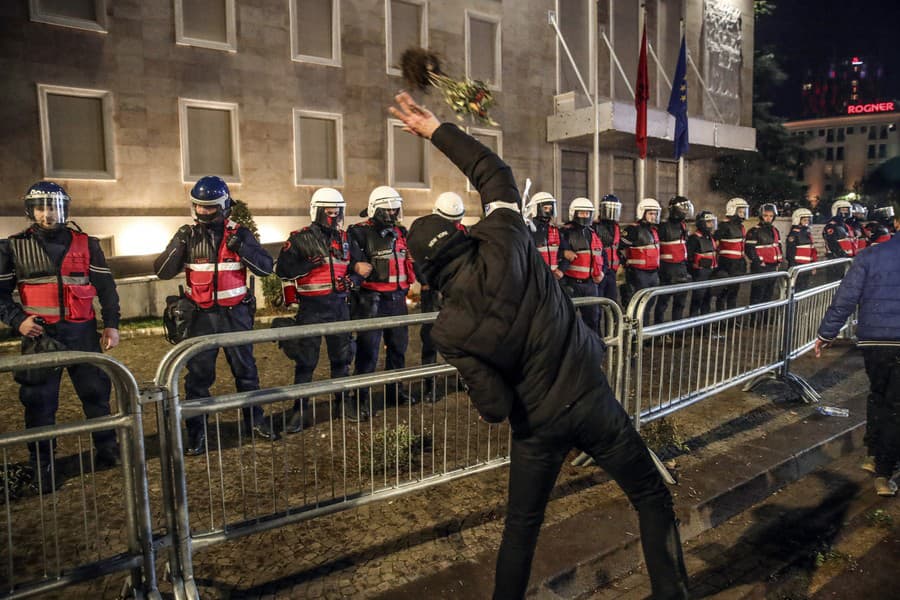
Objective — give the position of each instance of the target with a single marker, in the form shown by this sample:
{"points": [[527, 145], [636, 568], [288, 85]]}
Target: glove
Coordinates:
{"points": [[183, 235], [345, 284], [234, 244], [317, 260]]}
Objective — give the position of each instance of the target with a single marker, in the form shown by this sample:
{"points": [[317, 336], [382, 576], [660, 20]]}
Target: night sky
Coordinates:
{"points": [[811, 34]]}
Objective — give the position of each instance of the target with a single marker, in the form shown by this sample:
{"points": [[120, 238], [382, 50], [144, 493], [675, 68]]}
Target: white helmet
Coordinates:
{"points": [[450, 206], [859, 211], [385, 197], [737, 204], [800, 214], [326, 198], [579, 204], [838, 205], [645, 205], [538, 199]]}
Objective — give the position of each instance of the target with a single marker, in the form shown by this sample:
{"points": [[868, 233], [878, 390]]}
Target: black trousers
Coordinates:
{"points": [[322, 309], [202, 368], [91, 384], [671, 274], [584, 289], [700, 299], [636, 280], [598, 426], [396, 339], [729, 267], [608, 288], [762, 291], [428, 302], [883, 406]]}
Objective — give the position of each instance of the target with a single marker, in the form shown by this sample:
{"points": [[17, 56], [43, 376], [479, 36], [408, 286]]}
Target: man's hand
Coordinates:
{"points": [[416, 119], [110, 338], [557, 273], [821, 345], [569, 255], [597, 278], [29, 328], [234, 244], [363, 269]]}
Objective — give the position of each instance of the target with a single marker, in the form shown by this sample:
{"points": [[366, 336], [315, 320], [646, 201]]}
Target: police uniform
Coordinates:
{"points": [[800, 250], [702, 261], [673, 267], [730, 239], [876, 233], [763, 247], [216, 283], [382, 294], [58, 274], [610, 238], [580, 274], [640, 253], [550, 244], [319, 288]]}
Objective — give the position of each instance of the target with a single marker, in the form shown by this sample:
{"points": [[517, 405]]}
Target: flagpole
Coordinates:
{"points": [[681, 157], [641, 170]]}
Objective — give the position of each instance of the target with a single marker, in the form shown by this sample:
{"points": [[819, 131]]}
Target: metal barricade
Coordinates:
{"points": [[76, 513], [246, 485]]}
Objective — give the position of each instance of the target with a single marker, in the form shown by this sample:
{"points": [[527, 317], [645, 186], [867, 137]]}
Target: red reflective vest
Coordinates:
{"points": [[770, 254], [399, 274], [41, 295], [646, 257], [705, 257], [221, 283], [588, 261], [673, 251], [733, 248], [884, 237], [848, 245], [610, 243], [804, 249], [321, 281], [549, 248]]}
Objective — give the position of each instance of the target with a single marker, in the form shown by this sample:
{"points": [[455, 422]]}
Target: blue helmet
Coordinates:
{"points": [[211, 191], [47, 195]]}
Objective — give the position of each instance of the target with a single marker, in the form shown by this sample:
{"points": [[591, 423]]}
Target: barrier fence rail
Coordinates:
{"points": [[245, 484]]}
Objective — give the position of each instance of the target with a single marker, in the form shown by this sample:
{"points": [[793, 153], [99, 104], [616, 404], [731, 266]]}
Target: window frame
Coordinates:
{"points": [[230, 30], [426, 161], [184, 135], [106, 103], [37, 16], [497, 21], [496, 133], [338, 120], [388, 32], [336, 59]]}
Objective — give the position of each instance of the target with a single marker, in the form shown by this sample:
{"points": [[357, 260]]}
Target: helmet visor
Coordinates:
{"points": [[328, 216], [708, 223], [610, 211], [48, 212]]}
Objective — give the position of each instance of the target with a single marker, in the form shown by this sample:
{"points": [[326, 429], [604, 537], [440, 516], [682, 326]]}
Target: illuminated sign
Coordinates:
{"points": [[856, 109]]}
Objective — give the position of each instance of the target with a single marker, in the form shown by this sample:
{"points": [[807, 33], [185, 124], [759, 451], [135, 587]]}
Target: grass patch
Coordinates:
{"points": [[397, 445], [139, 323], [830, 556], [662, 435], [879, 518]]}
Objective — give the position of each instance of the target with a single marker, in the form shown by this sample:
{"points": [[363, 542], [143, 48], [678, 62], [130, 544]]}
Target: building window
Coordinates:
{"points": [[821, 133], [850, 131], [871, 151], [839, 153], [80, 14], [573, 179], [829, 136], [862, 129], [827, 187], [624, 185], [206, 23], [840, 134], [491, 138], [666, 180], [76, 132], [882, 151], [883, 132], [872, 132], [407, 26], [316, 31], [318, 148], [483, 49], [829, 153], [407, 158], [209, 139]]}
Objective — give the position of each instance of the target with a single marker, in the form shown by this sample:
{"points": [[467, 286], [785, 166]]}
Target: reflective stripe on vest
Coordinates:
{"points": [[731, 247], [674, 251], [322, 280], [644, 258], [611, 250], [40, 295], [587, 263], [223, 282], [848, 245], [805, 253], [550, 250], [396, 259]]}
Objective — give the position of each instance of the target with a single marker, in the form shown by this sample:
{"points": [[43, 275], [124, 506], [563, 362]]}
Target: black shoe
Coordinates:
{"points": [[107, 457], [264, 430], [298, 421], [45, 479], [401, 397], [348, 410], [196, 443]]}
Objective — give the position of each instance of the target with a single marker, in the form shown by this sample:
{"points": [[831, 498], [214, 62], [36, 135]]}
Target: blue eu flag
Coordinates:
{"points": [[678, 103]]}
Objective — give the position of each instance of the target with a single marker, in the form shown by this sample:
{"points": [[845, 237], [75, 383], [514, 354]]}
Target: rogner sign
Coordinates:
{"points": [[856, 109]]}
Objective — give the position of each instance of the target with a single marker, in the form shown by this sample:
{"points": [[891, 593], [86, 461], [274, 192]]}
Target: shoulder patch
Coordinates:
{"points": [[791, 238]]}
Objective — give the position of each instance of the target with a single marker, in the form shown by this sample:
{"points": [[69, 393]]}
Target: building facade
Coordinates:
{"points": [[128, 102]]}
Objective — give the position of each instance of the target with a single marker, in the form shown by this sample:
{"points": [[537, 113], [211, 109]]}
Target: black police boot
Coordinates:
{"points": [[107, 457], [263, 429], [45, 477], [350, 410], [195, 444], [393, 393], [298, 419], [430, 395]]}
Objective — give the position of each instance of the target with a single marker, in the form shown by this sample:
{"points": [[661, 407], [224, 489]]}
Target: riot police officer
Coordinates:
{"points": [[607, 229], [763, 248], [540, 212], [585, 259], [215, 254], [702, 260], [314, 262], [379, 256], [58, 271], [840, 242], [640, 249], [799, 247], [858, 216], [730, 237], [673, 234], [878, 230]]}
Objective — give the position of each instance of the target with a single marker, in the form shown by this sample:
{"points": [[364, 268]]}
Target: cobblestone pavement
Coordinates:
{"points": [[363, 551]]}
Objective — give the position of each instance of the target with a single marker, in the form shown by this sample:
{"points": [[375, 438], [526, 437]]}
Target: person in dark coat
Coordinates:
{"points": [[730, 240], [514, 336], [873, 285], [763, 249], [702, 260], [673, 265], [607, 229]]}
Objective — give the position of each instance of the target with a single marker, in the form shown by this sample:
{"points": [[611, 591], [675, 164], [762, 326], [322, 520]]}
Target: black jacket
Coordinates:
{"points": [[506, 324]]}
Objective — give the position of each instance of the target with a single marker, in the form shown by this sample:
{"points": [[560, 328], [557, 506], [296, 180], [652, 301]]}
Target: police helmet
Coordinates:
{"points": [[842, 208], [385, 206], [211, 191], [537, 202], [884, 214], [610, 207], [579, 205], [450, 206], [680, 208], [767, 207], [324, 198], [859, 211], [800, 214], [707, 221], [737, 207], [53, 199], [648, 204]]}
